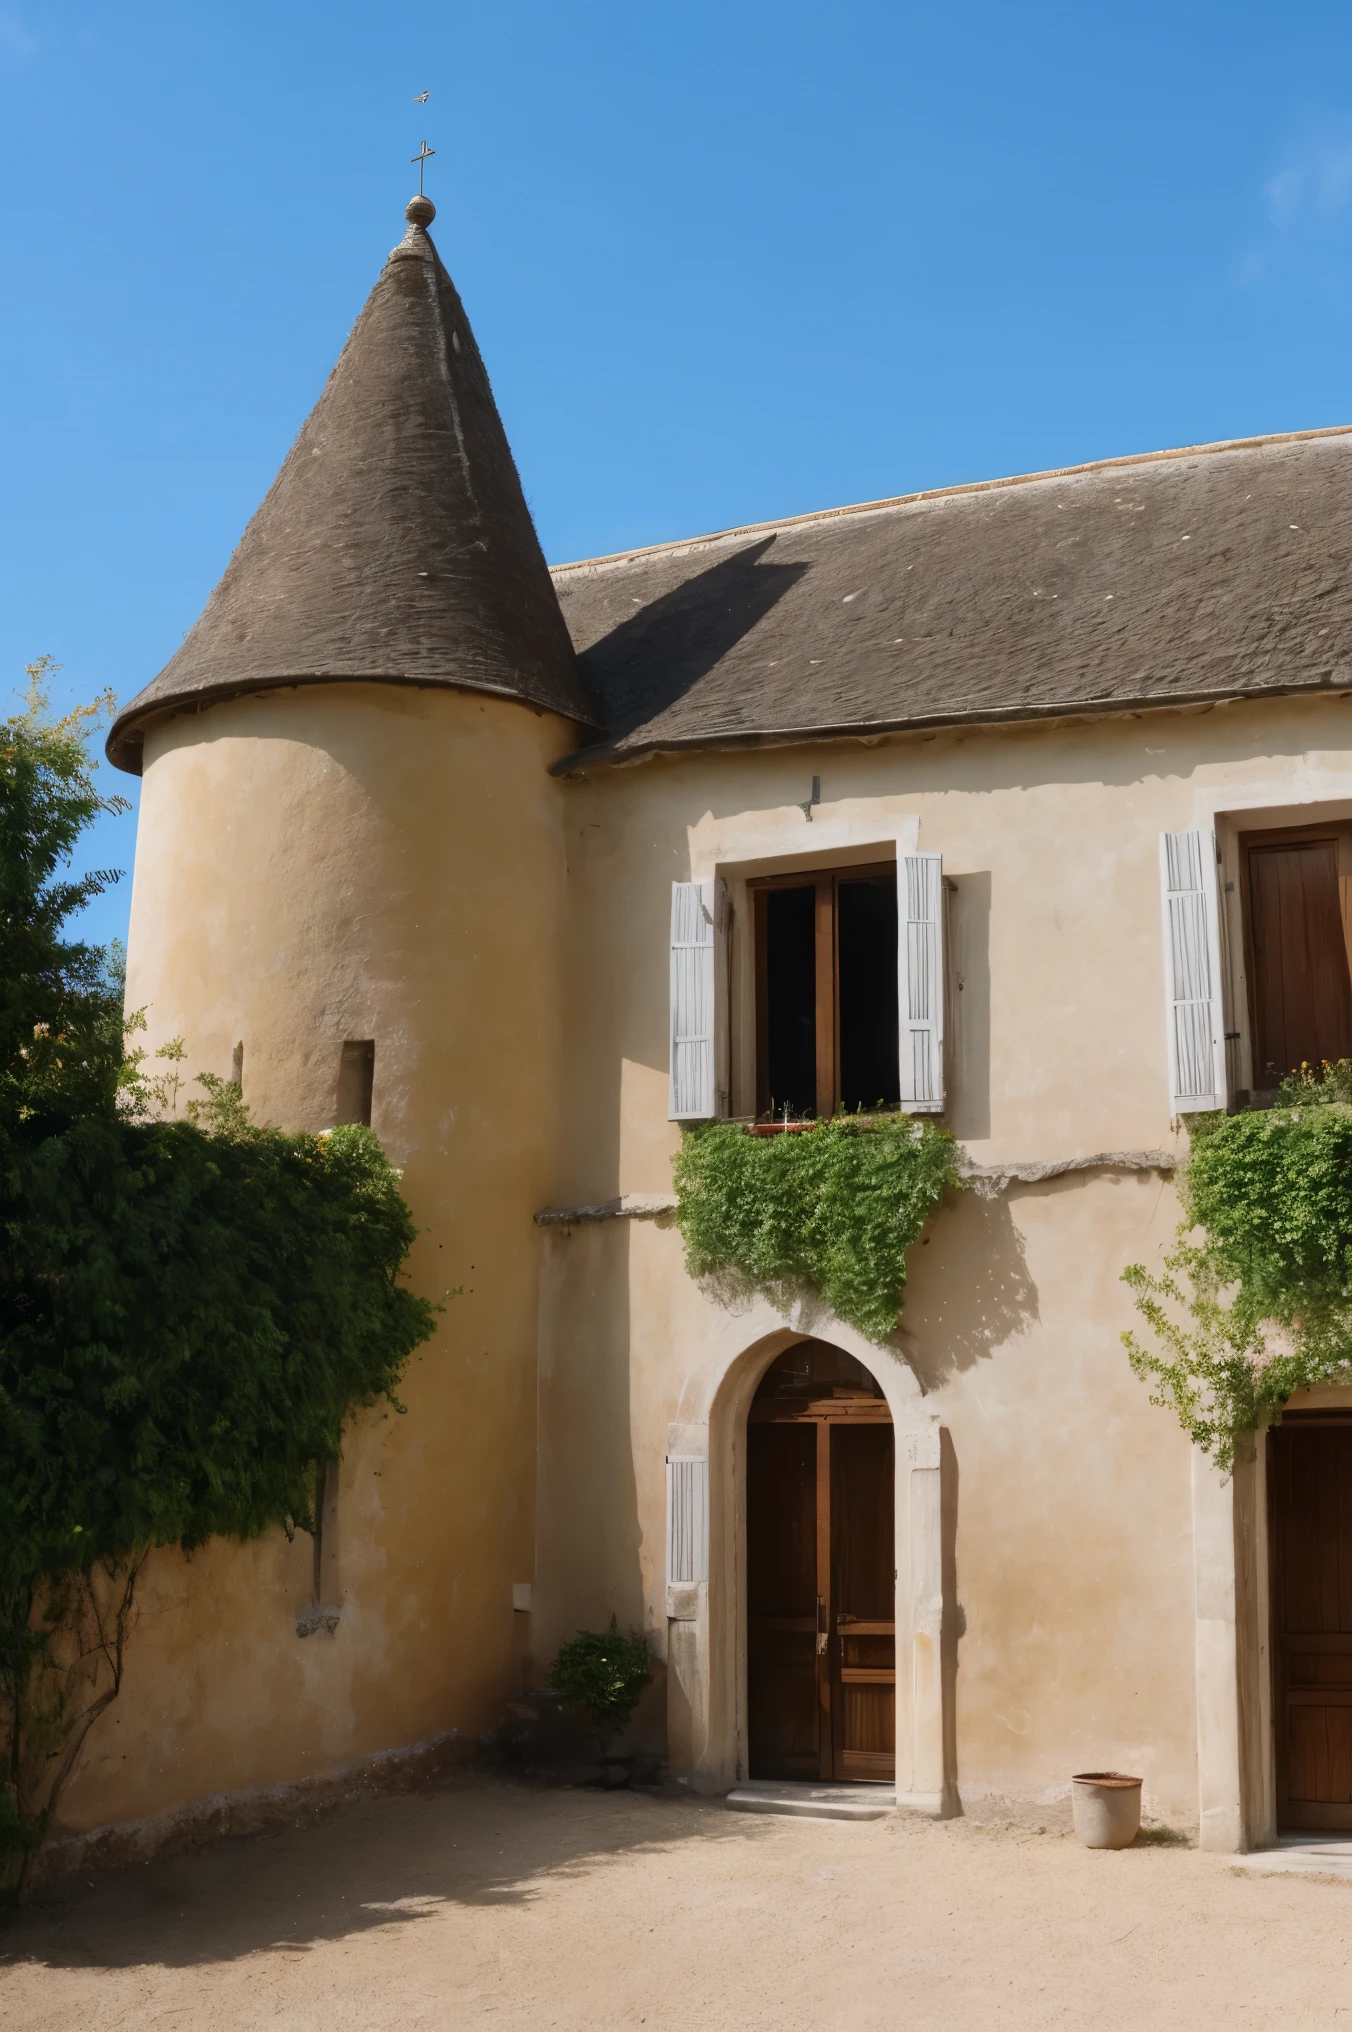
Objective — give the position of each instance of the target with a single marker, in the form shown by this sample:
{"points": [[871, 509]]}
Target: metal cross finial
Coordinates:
{"points": [[420, 159]]}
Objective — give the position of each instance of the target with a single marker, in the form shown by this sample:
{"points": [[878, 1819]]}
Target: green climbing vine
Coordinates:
{"points": [[1255, 1300], [833, 1208], [190, 1308]]}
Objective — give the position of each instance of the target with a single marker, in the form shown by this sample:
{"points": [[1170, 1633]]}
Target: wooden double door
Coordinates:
{"points": [[821, 1589], [1311, 1488]]}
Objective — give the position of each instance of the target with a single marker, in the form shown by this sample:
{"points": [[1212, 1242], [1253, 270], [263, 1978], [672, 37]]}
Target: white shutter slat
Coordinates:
{"points": [[920, 982], [687, 1520], [694, 982], [1193, 979]]}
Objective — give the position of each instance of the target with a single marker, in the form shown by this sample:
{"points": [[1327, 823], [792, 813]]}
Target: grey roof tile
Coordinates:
{"points": [[1215, 572], [395, 543]]}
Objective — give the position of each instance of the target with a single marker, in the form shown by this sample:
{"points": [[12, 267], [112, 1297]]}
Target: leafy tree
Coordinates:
{"points": [[61, 1050], [190, 1309]]}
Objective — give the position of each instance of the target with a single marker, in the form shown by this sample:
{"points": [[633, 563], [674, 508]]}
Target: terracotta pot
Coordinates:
{"points": [[778, 1128], [1107, 1808]]}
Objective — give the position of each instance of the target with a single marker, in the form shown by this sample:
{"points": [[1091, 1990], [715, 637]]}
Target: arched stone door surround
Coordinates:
{"points": [[706, 1621]]}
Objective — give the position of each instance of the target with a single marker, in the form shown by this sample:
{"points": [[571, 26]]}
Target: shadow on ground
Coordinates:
{"points": [[382, 1863]]}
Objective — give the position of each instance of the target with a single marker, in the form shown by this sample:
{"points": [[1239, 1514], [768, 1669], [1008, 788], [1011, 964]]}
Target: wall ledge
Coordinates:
{"points": [[630, 1206], [987, 1180], [990, 1180]]}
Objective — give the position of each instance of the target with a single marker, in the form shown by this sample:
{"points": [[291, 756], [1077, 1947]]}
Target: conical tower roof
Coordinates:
{"points": [[395, 544]]}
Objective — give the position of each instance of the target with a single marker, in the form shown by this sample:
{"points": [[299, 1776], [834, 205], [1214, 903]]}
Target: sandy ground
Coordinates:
{"points": [[497, 1903]]}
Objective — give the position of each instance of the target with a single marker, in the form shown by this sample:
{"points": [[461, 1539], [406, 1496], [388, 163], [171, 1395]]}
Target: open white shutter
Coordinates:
{"points": [[1192, 970], [698, 918], [920, 981]]}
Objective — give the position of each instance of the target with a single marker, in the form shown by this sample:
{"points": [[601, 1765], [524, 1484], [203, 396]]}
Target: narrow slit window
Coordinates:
{"points": [[356, 1080], [237, 1066], [325, 1583], [324, 1608]]}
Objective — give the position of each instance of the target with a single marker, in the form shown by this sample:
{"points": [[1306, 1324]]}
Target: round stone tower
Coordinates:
{"points": [[348, 887]]}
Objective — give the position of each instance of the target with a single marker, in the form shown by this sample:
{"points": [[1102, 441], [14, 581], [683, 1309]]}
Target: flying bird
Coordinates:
{"points": [[422, 98]]}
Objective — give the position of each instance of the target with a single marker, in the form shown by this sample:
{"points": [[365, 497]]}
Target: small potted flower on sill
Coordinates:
{"points": [[603, 1673]]}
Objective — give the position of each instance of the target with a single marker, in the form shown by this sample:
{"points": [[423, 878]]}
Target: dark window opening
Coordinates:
{"points": [[791, 1001], [325, 1587], [866, 968], [1299, 983], [237, 1066], [356, 1079], [817, 1369], [826, 993]]}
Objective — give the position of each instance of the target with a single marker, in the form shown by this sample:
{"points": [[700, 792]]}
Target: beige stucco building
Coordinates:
{"points": [[993, 798]]}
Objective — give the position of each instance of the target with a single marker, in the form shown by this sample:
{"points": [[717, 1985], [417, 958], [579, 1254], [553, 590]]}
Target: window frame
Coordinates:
{"points": [[1335, 832], [826, 884]]}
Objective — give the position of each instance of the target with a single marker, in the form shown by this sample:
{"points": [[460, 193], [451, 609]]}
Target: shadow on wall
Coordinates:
{"points": [[589, 1540], [969, 1000], [968, 1290]]}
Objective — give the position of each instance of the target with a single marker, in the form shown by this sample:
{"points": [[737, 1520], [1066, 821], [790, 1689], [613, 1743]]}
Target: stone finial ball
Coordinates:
{"points": [[420, 211]]}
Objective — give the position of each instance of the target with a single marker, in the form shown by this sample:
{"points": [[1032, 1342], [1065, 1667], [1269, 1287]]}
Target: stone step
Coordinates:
{"points": [[1301, 1855], [813, 1802]]}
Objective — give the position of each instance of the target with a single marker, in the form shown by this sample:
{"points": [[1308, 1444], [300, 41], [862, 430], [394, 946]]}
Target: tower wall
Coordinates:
{"points": [[349, 862]]}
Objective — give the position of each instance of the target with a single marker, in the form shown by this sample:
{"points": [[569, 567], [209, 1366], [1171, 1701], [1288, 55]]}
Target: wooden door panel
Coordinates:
{"points": [[1321, 1755], [784, 1706], [1301, 990], [1312, 1614], [863, 1601], [868, 1725], [784, 1710]]}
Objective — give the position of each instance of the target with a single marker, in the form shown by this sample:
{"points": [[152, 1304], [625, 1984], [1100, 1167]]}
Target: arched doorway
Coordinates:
{"points": [[821, 1575]]}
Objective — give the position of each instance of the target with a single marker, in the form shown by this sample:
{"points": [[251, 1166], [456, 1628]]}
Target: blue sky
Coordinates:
{"points": [[726, 261]]}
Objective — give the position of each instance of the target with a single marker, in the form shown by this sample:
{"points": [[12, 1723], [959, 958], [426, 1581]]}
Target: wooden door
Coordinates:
{"points": [[821, 1583], [1312, 1615], [863, 1651], [783, 1697], [1302, 998]]}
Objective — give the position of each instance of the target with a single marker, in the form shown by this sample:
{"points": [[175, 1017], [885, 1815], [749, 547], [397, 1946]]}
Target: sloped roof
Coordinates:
{"points": [[1219, 571], [395, 543]]}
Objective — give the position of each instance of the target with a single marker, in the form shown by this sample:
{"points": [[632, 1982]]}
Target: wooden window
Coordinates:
{"points": [[826, 991], [1297, 886]]}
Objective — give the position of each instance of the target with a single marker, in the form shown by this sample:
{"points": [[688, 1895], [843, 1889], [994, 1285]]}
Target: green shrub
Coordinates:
{"points": [[605, 1673], [834, 1207]]}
